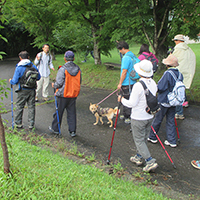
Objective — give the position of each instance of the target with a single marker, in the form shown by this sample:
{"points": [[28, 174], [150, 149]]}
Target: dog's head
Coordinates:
{"points": [[93, 107]]}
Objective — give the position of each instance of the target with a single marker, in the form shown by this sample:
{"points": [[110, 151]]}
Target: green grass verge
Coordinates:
{"points": [[98, 76], [41, 174]]}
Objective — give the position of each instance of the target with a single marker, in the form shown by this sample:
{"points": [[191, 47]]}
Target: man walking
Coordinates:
{"points": [[187, 65], [43, 61], [26, 92], [67, 87], [125, 83]]}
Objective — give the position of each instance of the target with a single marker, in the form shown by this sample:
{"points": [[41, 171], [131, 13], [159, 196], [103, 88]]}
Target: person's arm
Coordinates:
{"points": [[50, 63], [60, 78], [15, 78], [123, 76]]}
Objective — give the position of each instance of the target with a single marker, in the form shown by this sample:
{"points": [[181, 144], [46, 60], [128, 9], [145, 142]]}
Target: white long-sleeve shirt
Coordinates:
{"points": [[137, 100], [44, 63]]}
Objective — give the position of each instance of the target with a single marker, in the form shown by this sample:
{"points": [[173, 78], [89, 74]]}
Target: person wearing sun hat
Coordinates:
{"points": [[140, 119], [187, 65], [166, 85]]}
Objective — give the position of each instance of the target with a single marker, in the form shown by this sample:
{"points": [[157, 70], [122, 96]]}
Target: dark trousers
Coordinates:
{"points": [[125, 92], [70, 105], [169, 112], [25, 96]]}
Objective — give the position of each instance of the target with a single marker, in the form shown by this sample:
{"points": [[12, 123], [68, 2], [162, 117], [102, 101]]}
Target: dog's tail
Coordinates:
{"points": [[115, 110]]}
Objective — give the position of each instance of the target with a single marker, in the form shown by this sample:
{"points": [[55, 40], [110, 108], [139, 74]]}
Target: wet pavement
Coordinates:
{"points": [[184, 179]]}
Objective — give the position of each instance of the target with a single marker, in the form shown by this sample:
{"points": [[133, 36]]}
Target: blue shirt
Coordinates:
{"points": [[128, 61]]}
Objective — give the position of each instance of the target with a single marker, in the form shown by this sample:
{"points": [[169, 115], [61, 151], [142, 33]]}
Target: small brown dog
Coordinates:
{"points": [[103, 112]]}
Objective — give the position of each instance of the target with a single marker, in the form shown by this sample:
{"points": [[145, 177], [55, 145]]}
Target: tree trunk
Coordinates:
{"points": [[97, 55], [4, 148]]}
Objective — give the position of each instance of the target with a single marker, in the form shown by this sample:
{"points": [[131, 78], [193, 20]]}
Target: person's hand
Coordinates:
{"points": [[119, 98], [119, 86], [10, 80], [53, 69], [52, 85]]}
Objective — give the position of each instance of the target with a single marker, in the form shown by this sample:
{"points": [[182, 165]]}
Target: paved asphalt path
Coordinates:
{"points": [[184, 179]]}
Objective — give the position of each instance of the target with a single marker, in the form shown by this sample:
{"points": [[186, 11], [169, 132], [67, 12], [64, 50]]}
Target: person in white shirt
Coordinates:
{"points": [[43, 61], [140, 119]]}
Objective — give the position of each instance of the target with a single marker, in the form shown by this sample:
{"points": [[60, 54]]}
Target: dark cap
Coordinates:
{"points": [[69, 55]]}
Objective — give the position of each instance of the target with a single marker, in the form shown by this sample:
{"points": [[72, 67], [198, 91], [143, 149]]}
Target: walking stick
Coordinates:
{"points": [[12, 106], [57, 112], [163, 147], [177, 130], [108, 161]]}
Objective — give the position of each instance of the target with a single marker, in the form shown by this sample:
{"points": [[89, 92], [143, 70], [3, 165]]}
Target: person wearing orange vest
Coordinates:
{"points": [[67, 85]]}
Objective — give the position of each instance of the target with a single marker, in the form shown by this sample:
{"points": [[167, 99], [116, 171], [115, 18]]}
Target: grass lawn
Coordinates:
{"points": [[98, 76], [41, 174]]}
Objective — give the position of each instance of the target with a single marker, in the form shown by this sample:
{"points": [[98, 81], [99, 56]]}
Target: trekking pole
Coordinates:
{"points": [[177, 129], [108, 161], [57, 111], [12, 106], [163, 147], [107, 97]]}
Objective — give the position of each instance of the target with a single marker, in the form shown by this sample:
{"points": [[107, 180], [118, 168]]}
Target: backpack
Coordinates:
{"points": [[133, 75], [152, 102], [153, 60], [49, 59], [177, 96], [29, 78], [72, 85]]}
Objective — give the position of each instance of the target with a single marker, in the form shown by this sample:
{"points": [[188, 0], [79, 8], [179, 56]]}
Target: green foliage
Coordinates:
{"points": [[3, 92], [41, 174]]}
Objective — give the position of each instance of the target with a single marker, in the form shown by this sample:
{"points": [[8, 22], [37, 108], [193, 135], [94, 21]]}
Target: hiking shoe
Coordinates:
{"points": [[72, 134], [127, 121], [121, 116], [55, 132], [36, 99], [169, 144], [137, 160], [185, 104], [196, 164], [150, 167], [152, 141], [177, 116], [31, 128]]}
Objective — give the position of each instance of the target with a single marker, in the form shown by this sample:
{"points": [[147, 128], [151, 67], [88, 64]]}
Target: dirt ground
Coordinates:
{"points": [[180, 183]]}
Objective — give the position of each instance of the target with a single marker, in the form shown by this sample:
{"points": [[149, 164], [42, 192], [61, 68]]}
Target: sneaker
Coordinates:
{"points": [[177, 116], [196, 164], [152, 141], [185, 104], [150, 167], [55, 132], [83, 61], [72, 134], [127, 121], [169, 144], [121, 116], [36, 99], [137, 160], [31, 128], [19, 126], [46, 99]]}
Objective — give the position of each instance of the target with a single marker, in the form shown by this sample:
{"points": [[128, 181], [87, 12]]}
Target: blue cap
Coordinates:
{"points": [[69, 55]]}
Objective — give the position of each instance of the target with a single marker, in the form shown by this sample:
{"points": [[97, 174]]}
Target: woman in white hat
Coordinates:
{"points": [[140, 119]]}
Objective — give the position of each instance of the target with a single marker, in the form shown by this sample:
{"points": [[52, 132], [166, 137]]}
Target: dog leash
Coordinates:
{"points": [[107, 97]]}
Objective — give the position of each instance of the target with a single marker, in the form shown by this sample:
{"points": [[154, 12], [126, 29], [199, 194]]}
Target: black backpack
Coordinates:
{"points": [[153, 61], [152, 102], [29, 78]]}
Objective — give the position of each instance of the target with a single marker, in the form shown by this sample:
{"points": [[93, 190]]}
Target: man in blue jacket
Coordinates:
{"points": [[166, 85], [125, 83], [25, 93]]}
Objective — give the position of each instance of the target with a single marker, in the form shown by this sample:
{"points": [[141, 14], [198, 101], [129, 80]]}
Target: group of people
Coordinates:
{"points": [[132, 94], [181, 63], [67, 86]]}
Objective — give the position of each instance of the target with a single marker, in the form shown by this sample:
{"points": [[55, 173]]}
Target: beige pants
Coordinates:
{"points": [[43, 83]]}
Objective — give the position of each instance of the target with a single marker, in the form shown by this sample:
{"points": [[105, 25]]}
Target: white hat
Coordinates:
{"points": [[171, 60], [179, 37], [144, 68]]}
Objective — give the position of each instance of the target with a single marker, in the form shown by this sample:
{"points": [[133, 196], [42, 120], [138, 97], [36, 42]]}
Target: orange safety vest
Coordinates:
{"points": [[72, 85]]}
